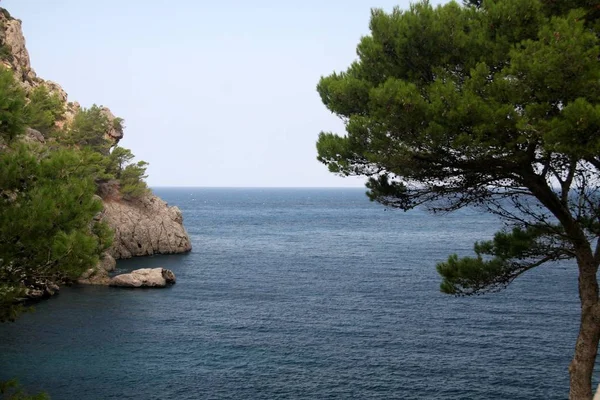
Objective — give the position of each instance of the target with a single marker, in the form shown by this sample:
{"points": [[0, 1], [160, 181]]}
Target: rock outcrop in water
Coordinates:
{"points": [[144, 226], [145, 277]]}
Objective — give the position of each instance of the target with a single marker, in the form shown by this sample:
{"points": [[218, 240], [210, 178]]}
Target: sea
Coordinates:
{"points": [[303, 294]]}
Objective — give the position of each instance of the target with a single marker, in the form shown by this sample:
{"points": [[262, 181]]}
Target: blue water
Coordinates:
{"points": [[303, 294]]}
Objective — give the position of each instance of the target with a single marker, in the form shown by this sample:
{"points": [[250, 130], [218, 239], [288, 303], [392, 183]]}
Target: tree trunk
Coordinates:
{"points": [[582, 365]]}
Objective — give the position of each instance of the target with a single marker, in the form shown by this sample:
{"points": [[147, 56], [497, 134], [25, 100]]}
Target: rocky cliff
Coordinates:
{"points": [[143, 226]]}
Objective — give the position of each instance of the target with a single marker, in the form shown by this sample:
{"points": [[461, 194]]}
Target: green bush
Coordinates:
{"points": [[105, 236], [88, 129], [118, 124], [5, 53], [96, 165], [87, 133], [43, 110], [12, 390], [130, 175], [46, 208], [119, 158], [12, 104], [132, 180]]}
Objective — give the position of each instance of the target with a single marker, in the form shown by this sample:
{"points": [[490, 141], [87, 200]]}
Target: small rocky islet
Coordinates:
{"points": [[145, 277]]}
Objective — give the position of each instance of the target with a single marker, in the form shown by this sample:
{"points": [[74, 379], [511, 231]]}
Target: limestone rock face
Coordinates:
{"points": [[19, 62], [114, 133], [55, 88], [32, 135], [11, 38], [144, 227], [145, 277]]}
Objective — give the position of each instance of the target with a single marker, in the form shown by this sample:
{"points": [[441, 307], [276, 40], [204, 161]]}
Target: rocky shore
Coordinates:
{"points": [[142, 227]]}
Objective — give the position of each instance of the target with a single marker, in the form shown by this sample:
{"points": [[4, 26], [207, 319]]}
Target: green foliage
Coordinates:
{"points": [[118, 124], [11, 390], [104, 235], [87, 133], [43, 110], [96, 165], [12, 103], [88, 129], [500, 261], [119, 158], [5, 52], [46, 219], [10, 296], [495, 104], [132, 180], [130, 175]]}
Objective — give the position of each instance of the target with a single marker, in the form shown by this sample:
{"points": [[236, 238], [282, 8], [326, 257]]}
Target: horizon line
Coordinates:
{"points": [[255, 187]]}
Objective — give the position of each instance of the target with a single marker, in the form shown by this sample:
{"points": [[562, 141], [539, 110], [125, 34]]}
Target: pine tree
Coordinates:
{"points": [[495, 104]]}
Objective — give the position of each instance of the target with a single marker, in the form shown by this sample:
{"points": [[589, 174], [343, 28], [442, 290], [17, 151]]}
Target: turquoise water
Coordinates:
{"points": [[303, 294]]}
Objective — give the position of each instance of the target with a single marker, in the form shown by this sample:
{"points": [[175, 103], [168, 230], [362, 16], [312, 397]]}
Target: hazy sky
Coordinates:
{"points": [[214, 93]]}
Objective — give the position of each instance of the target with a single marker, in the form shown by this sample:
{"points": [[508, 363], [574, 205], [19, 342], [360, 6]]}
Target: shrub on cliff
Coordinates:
{"points": [[88, 129], [118, 124], [119, 158], [43, 110], [5, 52], [130, 175], [87, 133], [132, 180]]}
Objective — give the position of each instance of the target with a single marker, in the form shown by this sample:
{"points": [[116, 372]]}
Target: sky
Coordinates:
{"points": [[213, 93]]}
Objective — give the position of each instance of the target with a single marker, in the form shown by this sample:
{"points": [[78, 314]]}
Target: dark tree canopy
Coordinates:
{"points": [[494, 104]]}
